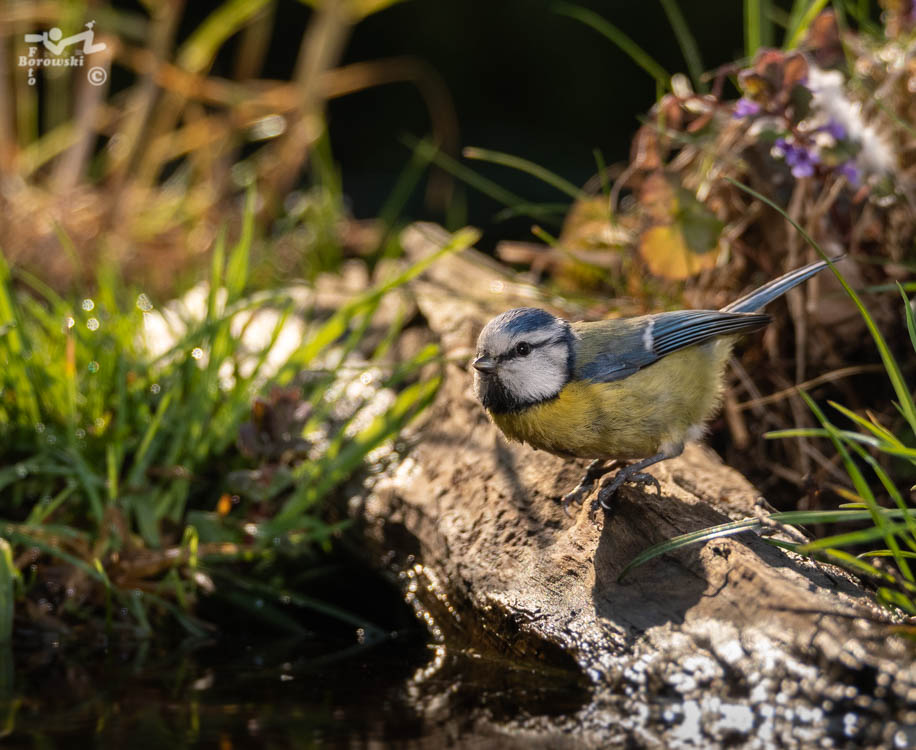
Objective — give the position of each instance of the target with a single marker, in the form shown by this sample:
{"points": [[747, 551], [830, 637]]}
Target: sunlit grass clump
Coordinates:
{"points": [[883, 551], [127, 474]]}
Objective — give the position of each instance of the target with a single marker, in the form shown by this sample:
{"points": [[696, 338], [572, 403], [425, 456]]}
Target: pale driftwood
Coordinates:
{"points": [[732, 642]]}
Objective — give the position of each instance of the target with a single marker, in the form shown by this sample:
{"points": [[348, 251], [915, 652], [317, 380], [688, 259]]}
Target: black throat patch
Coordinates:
{"points": [[497, 399]]}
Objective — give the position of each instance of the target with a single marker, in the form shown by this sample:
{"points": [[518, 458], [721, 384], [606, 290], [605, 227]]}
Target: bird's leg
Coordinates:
{"points": [[634, 473], [596, 469]]}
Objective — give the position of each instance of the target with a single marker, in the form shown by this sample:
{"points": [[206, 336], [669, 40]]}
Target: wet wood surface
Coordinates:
{"points": [[733, 642]]}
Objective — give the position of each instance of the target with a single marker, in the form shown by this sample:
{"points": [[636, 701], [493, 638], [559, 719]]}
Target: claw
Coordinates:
{"points": [[574, 496], [596, 469], [640, 478]]}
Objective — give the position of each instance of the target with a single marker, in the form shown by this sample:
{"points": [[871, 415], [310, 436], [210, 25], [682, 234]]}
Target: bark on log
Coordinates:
{"points": [[733, 642]]}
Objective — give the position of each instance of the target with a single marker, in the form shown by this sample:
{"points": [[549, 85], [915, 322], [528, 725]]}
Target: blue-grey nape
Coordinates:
{"points": [[522, 320]]}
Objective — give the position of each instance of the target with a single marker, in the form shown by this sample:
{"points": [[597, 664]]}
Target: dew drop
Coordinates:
{"points": [[80, 433], [88, 305], [143, 303], [22, 471], [92, 324], [69, 322], [93, 367], [197, 352], [155, 388], [40, 427]]}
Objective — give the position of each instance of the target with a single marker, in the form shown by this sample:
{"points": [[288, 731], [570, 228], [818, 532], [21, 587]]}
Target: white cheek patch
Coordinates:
{"points": [[537, 377]]}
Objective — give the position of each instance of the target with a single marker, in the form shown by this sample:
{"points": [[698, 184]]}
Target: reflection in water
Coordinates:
{"points": [[298, 693], [285, 694]]}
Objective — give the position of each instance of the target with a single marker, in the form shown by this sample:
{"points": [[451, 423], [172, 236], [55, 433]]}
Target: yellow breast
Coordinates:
{"points": [[629, 418]]}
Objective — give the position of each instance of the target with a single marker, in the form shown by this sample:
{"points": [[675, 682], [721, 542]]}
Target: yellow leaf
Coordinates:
{"points": [[666, 253]]}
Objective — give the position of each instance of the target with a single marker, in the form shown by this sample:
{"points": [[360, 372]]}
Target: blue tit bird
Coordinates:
{"points": [[634, 388]]}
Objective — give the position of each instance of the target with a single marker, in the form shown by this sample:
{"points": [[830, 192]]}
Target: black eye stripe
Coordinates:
{"points": [[512, 354]]}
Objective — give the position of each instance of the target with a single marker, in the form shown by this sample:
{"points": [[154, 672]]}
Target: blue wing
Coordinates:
{"points": [[611, 350]]}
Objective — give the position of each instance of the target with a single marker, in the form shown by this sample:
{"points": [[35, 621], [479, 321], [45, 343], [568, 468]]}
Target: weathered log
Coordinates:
{"points": [[733, 642]]}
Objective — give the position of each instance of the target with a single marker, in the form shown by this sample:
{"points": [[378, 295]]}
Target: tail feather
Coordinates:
{"points": [[760, 298]]}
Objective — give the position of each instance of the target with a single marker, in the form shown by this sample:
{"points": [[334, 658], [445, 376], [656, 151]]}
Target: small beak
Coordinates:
{"points": [[485, 365]]}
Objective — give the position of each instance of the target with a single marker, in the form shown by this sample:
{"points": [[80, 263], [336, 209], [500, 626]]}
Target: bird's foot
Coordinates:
{"points": [[596, 469], [606, 493], [575, 496]]}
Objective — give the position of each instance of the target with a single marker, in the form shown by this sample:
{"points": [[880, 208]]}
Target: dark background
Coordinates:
{"points": [[524, 79]]}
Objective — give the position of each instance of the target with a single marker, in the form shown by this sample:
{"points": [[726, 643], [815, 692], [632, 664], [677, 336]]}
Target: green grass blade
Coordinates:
{"points": [[753, 27], [693, 537], [853, 437], [15, 344], [793, 517], [257, 607], [217, 262], [469, 176], [861, 485], [891, 489], [44, 509], [265, 591], [338, 323], [549, 212], [887, 553], [404, 187], [636, 53], [237, 265], [343, 457], [601, 166], [687, 42], [797, 432], [887, 358], [800, 19], [524, 165], [141, 459], [198, 51], [133, 601], [808, 517], [910, 321], [53, 550], [895, 598], [849, 538], [8, 575], [844, 559], [879, 431]]}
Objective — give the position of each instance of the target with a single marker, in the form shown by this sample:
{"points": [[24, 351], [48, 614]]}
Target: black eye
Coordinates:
{"points": [[522, 348]]}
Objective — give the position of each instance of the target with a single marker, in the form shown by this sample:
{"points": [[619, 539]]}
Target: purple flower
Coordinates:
{"points": [[850, 171], [801, 160], [836, 130], [745, 108]]}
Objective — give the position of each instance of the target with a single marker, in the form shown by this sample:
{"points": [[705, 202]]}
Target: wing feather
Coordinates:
{"points": [[612, 350]]}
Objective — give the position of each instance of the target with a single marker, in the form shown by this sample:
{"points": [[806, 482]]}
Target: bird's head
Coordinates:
{"points": [[524, 356]]}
